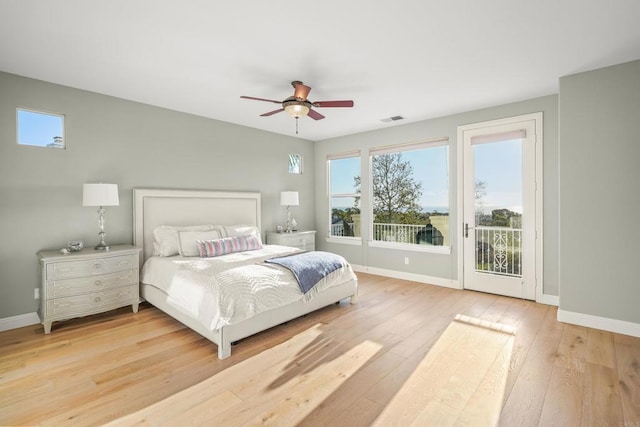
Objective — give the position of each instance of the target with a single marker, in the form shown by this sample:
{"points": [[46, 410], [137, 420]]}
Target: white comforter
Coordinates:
{"points": [[230, 288]]}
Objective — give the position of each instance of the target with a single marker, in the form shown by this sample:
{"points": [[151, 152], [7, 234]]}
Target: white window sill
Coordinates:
{"points": [[446, 250], [355, 241]]}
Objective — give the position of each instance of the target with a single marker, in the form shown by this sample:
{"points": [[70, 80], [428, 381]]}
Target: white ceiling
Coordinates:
{"points": [[415, 58]]}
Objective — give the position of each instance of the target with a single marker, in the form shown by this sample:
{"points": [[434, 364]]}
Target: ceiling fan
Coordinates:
{"points": [[298, 105]]}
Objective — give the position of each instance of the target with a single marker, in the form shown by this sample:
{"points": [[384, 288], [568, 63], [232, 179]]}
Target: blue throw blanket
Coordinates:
{"points": [[310, 267]]}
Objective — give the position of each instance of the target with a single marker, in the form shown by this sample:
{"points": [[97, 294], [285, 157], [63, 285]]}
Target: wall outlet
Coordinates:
{"points": [[36, 293], [406, 260]]}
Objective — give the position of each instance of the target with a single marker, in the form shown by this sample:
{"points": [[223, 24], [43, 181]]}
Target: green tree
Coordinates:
{"points": [[480, 191], [395, 191], [344, 216]]}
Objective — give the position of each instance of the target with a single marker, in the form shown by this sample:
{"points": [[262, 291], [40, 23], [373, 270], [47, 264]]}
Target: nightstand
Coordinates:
{"points": [[305, 240], [87, 282]]}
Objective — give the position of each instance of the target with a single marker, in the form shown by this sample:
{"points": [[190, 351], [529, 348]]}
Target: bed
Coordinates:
{"points": [[157, 208]]}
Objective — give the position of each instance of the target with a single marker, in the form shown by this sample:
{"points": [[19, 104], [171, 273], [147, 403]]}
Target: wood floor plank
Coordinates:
{"points": [[628, 368], [524, 403], [350, 392], [362, 413], [448, 374], [117, 366], [602, 403], [563, 404], [528, 328], [601, 348], [485, 404]]}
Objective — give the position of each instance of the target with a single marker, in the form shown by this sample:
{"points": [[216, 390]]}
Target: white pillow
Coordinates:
{"points": [[241, 230], [187, 245], [166, 238]]}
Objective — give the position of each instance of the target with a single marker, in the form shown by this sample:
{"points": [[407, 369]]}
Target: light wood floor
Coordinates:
{"points": [[96, 369]]}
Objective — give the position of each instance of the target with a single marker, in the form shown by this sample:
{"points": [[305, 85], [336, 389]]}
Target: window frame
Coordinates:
{"points": [[349, 240], [399, 148], [51, 145], [295, 164]]}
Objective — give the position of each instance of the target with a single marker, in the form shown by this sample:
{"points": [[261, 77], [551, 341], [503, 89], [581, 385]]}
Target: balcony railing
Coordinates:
{"points": [[418, 234], [337, 229], [498, 250], [415, 234], [399, 233]]}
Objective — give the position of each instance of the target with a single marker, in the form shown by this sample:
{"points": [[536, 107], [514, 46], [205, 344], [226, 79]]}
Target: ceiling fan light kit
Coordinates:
{"points": [[296, 108], [299, 106]]}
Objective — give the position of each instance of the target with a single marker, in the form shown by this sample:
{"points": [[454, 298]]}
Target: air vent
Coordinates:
{"points": [[393, 119]]}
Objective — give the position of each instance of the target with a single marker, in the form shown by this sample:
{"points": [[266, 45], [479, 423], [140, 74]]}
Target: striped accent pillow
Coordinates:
{"points": [[212, 248]]}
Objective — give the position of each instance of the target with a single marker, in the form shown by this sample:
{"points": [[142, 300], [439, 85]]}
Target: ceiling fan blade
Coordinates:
{"points": [[333, 104], [261, 99], [315, 115], [270, 113], [301, 91]]}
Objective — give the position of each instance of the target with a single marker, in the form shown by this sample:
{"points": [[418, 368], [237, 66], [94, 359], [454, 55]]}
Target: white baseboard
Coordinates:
{"points": [[19, 321], [550, 300], [603, 323], [438, 281], [447, 283]]}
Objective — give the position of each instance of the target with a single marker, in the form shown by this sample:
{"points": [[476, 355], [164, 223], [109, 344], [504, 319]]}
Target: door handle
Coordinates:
{"points": [[466, 229]]}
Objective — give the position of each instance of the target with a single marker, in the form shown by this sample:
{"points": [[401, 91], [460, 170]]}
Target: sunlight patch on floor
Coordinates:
{"points": [[280, 386], [461, 380]]}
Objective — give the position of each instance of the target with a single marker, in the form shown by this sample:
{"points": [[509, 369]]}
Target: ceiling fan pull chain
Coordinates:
{"points": [[297, 125]]}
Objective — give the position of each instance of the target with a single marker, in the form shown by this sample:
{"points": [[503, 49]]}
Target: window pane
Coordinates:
{"points": [[345, 196], [295, 163], [345, 216], [498, 207], [411, 196], [40, 129], [345, 175]]}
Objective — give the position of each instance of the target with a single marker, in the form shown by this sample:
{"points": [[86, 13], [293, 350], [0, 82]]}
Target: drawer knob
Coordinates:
{"points": [[98, 282], [98, 299], [97, 266]]}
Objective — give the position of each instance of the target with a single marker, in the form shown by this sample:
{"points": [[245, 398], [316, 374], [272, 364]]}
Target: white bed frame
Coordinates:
{"points": [[154, 207]]}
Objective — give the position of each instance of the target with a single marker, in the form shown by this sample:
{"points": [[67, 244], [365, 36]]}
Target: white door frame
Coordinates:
{"points": [[537, 117]]}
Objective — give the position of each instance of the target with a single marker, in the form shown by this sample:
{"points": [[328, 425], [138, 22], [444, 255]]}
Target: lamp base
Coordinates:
{"points": [[102, 245]]}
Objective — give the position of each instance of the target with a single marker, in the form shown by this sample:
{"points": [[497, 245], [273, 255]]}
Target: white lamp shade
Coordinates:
{"points": [[100, 195], [289, 198]]}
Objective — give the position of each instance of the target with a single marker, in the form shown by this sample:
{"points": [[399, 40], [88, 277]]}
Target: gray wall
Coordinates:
{"points": [[430, 264], [599, 192], [590, 181], [132, 145]]}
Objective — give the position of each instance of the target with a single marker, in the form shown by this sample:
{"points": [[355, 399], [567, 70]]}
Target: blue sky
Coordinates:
{"points": [[38, 128], [498, 164], [431, 165]]}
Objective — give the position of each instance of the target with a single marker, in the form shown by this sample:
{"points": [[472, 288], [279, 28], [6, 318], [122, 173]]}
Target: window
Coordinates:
{"points": [[344, 194], [40, 129], [295, 163], [410, 194]]}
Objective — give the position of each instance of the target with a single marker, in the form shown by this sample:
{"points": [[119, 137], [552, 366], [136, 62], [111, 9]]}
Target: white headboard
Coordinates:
{"points": [[154, 207]]}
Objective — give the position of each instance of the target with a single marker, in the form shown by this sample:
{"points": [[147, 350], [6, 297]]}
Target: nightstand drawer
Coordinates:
{"points": [[305, 240], [302, 241], [305, 245], [79, 305], [91, 267], [83, 285]]}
